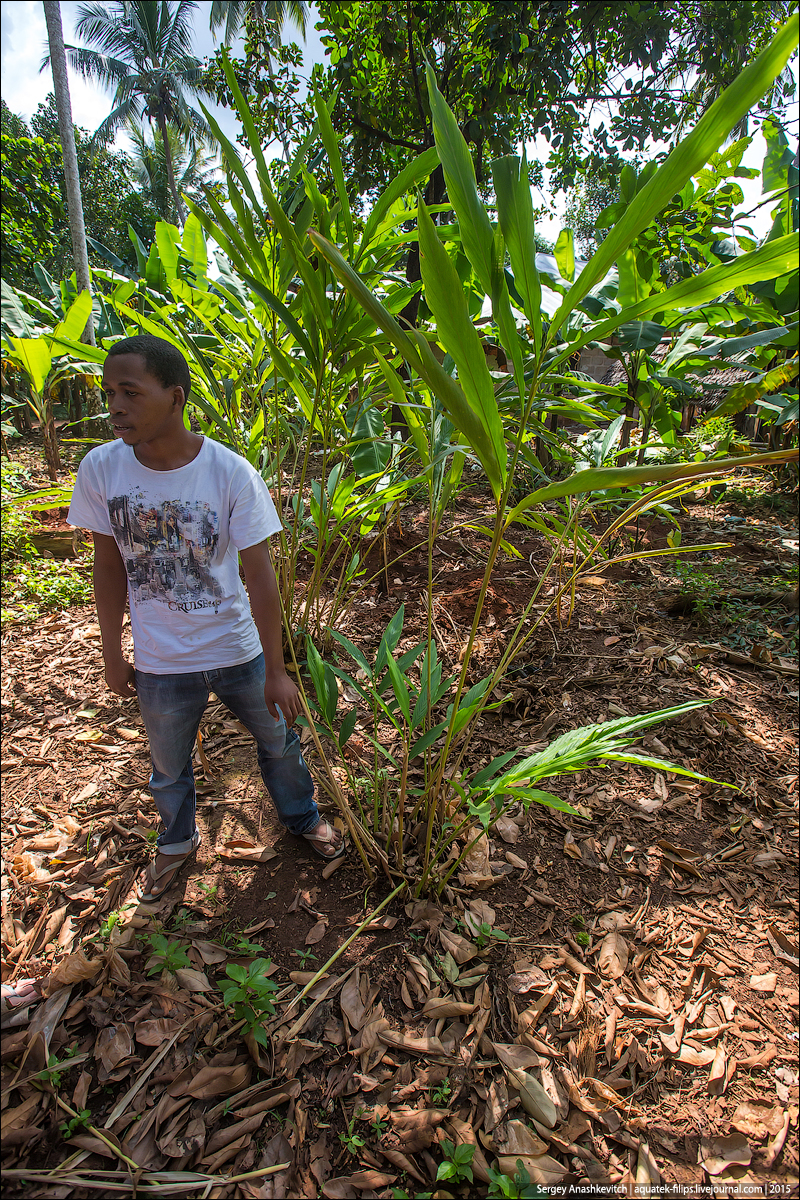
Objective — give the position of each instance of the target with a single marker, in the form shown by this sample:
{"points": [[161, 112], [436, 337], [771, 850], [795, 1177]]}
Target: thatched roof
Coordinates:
{"points": [[710, 387]]}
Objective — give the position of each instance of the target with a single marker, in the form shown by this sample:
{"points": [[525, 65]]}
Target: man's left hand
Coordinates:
{"points": [[281, 692]]}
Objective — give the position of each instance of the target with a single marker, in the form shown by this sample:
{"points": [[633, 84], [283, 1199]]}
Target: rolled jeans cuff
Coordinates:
{"points": [[176, 847]]}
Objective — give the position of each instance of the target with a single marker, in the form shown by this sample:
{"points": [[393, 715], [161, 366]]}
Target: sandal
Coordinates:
{"points": [[323, 840], [153, 892], [17, 999]]}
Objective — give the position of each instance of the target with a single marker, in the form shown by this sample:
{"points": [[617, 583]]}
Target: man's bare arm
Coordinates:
{"points": [[110, 594], [265, 604]]}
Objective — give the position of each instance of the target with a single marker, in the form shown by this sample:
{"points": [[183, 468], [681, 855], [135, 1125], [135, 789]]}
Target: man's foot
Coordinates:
{"points": [[17, 998], [326, 840], [160, 874]]}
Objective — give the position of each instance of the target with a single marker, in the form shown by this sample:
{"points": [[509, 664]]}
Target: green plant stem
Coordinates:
{"points": [[339, 952]]}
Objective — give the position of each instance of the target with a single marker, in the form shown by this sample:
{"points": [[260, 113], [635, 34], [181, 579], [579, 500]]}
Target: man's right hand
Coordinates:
{"points": [[121, 678]]}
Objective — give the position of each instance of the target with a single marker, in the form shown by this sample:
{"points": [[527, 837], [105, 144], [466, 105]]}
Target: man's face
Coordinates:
{"points": [[140, 407]]}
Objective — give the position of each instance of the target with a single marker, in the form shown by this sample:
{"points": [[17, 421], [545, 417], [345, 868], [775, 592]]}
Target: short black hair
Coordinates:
{"points": [[163, 360]]}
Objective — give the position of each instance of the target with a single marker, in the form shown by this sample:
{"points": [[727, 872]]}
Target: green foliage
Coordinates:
{"points": [[35, 231], [353, 1142], [75, 1124], [457, 1163], [517, 1187], [165, 954], [250, 992]]}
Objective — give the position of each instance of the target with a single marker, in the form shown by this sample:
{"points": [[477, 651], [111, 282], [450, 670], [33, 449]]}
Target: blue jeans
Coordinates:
{"points": [[172, 706]]}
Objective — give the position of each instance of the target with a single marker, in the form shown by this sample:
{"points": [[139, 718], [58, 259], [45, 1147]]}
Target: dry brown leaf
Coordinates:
{"points": [[461, 950], [532, 979], [515, 1138], [715, 1155], [520, 864], [243, 851], [73, 969], [113, 1045], [480, 910], [764, 983], [351, 1001], [508, 829], [516, 1057], [190, 1140], [339, 1188], [612, 956], [533, 1097], [718, 1075], [423, 1047], [193, 981], [447, 1007], [696, 1058], [543, 1169], [371, 1181], [316, 933], [153, 1033], [571, 847], [210, 952], [216, 1081], [758, 1119]]}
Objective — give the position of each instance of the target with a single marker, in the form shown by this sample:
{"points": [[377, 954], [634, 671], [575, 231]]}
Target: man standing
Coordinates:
{"points": [[169, 510]]}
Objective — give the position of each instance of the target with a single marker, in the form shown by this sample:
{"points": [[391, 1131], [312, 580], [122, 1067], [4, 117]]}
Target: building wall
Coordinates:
{"points": [[595, 364]]}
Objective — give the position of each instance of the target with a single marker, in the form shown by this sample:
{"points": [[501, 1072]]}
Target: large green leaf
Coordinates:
{"points": [[564, 254], [445, 298], [33, 356], [462, 190], [76, 317], [689, 156], [167, 240], [368, 301], [331, 144], [515, 213], [602, 478]]}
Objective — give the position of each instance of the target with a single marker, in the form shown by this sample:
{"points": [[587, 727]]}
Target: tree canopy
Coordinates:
{"points": [[34, 224], [512, 71]]}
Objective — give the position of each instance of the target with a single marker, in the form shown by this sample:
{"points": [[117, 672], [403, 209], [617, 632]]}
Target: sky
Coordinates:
{"points": [[24, 43]]}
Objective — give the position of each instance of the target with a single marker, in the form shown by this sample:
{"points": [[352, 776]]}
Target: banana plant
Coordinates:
{"points": [[33, 357]]}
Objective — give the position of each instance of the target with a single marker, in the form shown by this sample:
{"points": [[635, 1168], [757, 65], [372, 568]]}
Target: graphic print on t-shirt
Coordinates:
{"points": [[167, 550]]}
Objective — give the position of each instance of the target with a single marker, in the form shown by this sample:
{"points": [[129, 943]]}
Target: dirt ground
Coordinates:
{"points": [[646, 963]]}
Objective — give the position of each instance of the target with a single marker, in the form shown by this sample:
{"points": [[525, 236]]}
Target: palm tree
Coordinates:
{"points": [[77, 228], [191, 168], [142, 48], [272, 15]]}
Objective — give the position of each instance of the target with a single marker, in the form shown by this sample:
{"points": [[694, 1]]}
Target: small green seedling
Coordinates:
{"points": [[250, 992], [440, 1096], [82, 1121], [305, 956], [165, 955], [378, 1127], [457, 1164], [352, 1141], [487, 934], [519, 1187], [50, 1074]]}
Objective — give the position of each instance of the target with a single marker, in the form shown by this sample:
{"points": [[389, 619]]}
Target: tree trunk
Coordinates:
{"points": [[77, 229], [176, 200], [51, 451]]}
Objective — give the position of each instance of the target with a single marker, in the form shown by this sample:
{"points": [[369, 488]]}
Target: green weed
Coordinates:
{"points": [[250, 992]]}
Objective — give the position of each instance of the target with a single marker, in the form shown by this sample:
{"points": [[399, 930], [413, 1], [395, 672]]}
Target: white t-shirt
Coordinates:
{"points": [[178, 533]]}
